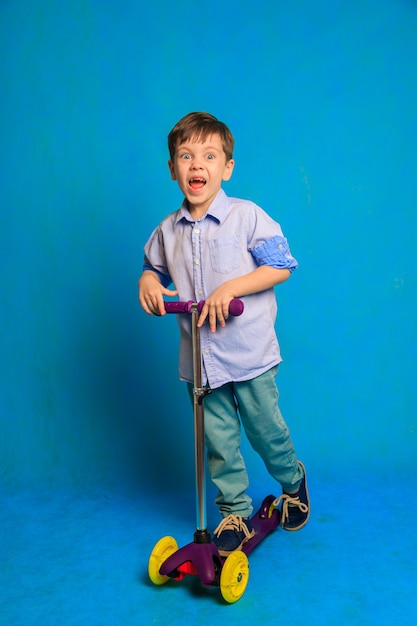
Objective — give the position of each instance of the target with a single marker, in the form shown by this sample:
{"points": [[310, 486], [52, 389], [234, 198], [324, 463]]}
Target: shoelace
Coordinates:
{"points": [[289, 501], [233, 522]]}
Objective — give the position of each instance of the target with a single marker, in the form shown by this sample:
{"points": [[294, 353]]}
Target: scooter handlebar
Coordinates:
{"points": [[236, 307]]}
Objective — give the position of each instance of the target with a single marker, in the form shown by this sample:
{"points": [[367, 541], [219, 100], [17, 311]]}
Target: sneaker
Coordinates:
{"points": [[232, 532], [295, 509]]}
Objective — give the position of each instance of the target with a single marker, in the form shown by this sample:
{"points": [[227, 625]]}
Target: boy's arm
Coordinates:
{"points": [[216, 306], [151, 292]]}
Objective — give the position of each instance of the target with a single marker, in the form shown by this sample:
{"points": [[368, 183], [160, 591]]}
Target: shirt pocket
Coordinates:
{"points": [[225, 254]]}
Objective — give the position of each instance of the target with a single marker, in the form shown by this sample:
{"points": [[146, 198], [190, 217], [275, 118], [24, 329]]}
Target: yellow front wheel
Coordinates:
{"points": [[162, 550], [234, 576]]}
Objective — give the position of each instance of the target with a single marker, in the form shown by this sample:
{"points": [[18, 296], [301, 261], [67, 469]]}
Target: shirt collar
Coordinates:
{"points": [[217, 209]]}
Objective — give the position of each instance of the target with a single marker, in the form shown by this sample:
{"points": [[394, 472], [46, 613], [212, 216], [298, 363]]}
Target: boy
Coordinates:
{"points": [[216, 248]]}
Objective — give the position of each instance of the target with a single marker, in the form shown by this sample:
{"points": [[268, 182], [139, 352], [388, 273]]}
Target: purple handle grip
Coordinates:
{"points": [[178, 307], [236, 307]]}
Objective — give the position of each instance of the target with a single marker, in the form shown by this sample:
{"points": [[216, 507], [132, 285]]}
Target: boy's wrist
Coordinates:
{"points": [[149, 274]]}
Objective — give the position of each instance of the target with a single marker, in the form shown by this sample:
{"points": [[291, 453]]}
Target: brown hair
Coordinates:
{"points": [[200, 126]]}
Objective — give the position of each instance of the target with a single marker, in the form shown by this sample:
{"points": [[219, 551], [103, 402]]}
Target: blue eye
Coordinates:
{"points": [[185, 156], [210, 156]]}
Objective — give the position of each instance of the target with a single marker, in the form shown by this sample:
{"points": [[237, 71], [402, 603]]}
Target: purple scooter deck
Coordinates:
{"points": [[262, 524]]}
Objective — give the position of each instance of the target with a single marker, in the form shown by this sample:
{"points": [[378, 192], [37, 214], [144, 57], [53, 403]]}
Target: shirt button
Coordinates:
{"points": [[197, 231], [197, 262], [199, 292]]}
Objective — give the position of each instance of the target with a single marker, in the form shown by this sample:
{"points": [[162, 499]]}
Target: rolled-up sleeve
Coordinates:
{"points": [[164, 278], [275, 252]]}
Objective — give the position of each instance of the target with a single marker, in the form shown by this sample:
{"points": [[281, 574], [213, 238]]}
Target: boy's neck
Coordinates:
{"points": [[197, 212]]}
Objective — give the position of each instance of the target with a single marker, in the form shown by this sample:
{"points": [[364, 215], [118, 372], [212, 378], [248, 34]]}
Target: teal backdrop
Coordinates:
{"points": [[322, 99]]}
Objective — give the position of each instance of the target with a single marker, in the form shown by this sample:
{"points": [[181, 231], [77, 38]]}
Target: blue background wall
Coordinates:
{"points": [[96, 459], [322, 100]]}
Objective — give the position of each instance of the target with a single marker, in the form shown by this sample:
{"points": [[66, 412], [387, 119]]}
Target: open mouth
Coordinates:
{"points": [[196, 183]]}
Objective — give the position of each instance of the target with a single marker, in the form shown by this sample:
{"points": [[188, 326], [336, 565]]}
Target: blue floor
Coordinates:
{"points": [[71, 559]]}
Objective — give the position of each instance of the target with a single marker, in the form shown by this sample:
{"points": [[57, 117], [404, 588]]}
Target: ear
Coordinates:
{"points": [[172, 170], [227, 174]]}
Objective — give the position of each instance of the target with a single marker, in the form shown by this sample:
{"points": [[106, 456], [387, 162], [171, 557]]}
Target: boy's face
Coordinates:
{"points": [[199, 167]]}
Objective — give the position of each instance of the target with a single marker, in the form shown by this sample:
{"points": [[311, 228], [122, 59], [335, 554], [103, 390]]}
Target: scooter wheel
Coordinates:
{"points": [[234, 576], [161, 552]]}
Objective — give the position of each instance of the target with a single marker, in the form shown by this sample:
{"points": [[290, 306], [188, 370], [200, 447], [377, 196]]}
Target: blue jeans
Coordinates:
{"points": [[254, 404]]}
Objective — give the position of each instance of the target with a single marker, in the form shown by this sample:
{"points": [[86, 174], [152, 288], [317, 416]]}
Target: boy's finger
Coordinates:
{"points": [[220, 316], [160, 307], [203, 315]]}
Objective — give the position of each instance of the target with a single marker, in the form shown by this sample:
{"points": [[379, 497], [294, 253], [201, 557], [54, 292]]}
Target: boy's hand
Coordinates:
{"points": [[151, 293], [216, 308]]}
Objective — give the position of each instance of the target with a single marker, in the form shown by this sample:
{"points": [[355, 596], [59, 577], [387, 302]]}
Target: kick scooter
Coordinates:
{"points": [[200, 557]]}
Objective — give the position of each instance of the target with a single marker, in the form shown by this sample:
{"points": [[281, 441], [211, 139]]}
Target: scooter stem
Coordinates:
{"points": [[198, 394]]}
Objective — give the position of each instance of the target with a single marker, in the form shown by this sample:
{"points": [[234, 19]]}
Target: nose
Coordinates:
{"points": [[196, 163]]}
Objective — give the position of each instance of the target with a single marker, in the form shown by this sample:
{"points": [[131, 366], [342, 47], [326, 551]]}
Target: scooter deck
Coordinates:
{"points": [[263, 522]]}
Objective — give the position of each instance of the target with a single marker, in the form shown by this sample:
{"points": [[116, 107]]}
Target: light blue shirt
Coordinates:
{"points": [[233, 238]]}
